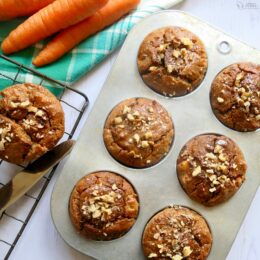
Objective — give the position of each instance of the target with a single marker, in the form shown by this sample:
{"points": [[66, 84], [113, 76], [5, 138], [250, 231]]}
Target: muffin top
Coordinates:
{"points": [[177, 233], [172, 61], [235, 96], [211, 168], [103, 206], [138, 132], [35, 115]]}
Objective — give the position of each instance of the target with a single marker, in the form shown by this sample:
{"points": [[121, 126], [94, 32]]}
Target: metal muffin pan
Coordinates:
{"points": [[158, 186]]}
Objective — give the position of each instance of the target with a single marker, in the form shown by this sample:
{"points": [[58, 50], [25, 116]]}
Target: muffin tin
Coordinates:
{"points": [[158, 186]]}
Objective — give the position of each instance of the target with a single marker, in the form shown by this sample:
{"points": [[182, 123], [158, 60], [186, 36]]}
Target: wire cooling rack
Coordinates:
{"points": [[14, 220]]}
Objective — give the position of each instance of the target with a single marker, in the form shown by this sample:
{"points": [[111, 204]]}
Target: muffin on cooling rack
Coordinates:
{"points": [[235, 96], [177, 233], [103, 206], [138, 132], [31, 122], [172, 61], [211, 168]]}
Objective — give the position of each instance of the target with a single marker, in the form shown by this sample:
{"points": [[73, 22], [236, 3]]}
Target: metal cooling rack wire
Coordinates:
{"points": [[73, 114]]}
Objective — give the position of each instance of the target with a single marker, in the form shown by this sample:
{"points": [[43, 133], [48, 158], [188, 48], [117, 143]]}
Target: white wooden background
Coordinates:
{"points": [[240, 18]]}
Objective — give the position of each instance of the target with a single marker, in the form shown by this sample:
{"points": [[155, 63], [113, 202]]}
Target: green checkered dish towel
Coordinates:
{"points": [[85, 56]]}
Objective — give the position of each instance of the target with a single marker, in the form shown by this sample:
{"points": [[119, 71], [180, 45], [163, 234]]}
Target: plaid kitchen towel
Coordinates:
{"points": [[86, 55]]}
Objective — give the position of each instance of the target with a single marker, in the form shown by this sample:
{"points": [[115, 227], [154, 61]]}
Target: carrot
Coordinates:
{"points": [[70, 37], [49, 20], [15, 8]]}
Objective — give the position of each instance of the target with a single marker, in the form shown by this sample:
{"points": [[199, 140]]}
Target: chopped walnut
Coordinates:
{"points": [[177, 257], [144, 144], [153, 68], [118, 120], [186, 251], [126, 110], [156, 235], [196, 171], [220, 100], [114, 187], [130, 117], [136, 137], [176, 53], [212, 189], [150, 110], [187, 42], [170, 68], [148, 135], [152, 255]]}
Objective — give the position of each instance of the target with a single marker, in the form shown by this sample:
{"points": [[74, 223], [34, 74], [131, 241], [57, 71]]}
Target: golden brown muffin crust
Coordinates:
{"points": [[211, 168], [172, 61], [235, 96], [39, 117], [177, 233], [138, 132], [103, 206]]}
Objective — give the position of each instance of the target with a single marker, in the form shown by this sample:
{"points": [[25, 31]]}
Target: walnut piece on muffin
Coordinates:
{"points": [[172, 61], [103, 206], [177, 233], [138, 132], [211, 168], [235, 96], [31, 122]]}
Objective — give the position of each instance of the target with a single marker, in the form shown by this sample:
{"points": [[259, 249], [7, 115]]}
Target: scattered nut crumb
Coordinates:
{"points": [[136, 137], [126, 110], [186, 41], [220, 100], [148, 135], [186, 251], [144, 144], [152, 255], [114, 187], [156, 236], [153, 68], [177, 257], [130, 117], [176, 53], [118, 120], [212, 189], [150, 109], [196, 171]]}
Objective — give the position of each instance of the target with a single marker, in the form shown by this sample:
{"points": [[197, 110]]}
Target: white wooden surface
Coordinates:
{"points": [[239, 18]]}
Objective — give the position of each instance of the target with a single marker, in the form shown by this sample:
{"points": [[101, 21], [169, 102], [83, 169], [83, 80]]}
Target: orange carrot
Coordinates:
{"points": [[70, 37], [49, 20], [15, 8]]}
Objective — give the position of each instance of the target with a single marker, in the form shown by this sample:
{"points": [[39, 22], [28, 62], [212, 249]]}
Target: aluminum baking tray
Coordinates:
{"points": [[158, 186]]}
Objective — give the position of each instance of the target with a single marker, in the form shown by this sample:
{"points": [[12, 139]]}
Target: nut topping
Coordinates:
{"points": [[118, 120], [126, 110], [130, 117], [220, 100], [196, 171]]}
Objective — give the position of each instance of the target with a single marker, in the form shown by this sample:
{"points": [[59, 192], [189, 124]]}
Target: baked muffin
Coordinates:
{"points": [[172, 61], [138, 132], [211, 168], [103, 206], [31, 122], [177, 233], [235, 96]]}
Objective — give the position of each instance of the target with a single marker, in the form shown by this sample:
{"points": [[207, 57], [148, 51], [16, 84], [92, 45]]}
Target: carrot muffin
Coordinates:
{"points": [[177, 233], [31, 122], [172, 61], [211, 168], [138, 132], [235, 96], [103, 206]]}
